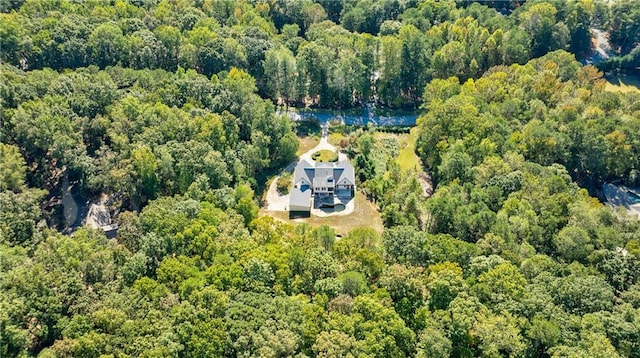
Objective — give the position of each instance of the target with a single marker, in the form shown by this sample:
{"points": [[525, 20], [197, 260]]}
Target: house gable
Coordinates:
{"points": [[346, 175], [301, 182], [303, 174]]}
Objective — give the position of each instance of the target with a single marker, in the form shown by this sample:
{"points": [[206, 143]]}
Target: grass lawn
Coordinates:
{"points": [[409, 161], [306, 143], [407, 158], [325, 156], [623, 84], [365, 214]]}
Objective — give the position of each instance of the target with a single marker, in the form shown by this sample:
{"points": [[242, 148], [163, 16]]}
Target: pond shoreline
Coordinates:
{"points": [[355, 117]]}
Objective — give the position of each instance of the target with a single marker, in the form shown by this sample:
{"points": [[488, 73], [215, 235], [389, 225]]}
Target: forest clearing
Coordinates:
{"points": [[488, 206]]}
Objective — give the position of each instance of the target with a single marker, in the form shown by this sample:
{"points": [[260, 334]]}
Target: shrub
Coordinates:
{"points": [[283, 185], [325, 156]]}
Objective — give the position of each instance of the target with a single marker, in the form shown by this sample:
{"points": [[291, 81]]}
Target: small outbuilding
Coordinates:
{"points": [[300, 201], [99, 218]]}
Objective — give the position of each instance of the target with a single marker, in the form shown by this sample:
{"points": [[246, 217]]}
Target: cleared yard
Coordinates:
{"points": [[624, 84], [306, 143], [365, 214], [404, 151], [407, 158]]}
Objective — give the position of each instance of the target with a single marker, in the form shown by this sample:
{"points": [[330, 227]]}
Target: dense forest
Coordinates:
{"points": [[168, 109], [329, 53]]}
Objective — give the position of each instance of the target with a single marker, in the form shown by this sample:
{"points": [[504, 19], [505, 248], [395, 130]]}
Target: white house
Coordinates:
{"points": [[325, 183]]}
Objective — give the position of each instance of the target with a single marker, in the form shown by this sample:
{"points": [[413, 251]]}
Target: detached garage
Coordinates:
{"points": [[300, 202]]}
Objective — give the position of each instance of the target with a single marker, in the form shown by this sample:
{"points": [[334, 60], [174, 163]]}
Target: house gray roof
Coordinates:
{"points": [[299, 198], [304, 170], [345, 171], [322, 182], [324, 170], [321, 172], [323, 175]]}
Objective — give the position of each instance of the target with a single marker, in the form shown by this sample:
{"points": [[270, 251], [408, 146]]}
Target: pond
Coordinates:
{"points": [[360, 117]]}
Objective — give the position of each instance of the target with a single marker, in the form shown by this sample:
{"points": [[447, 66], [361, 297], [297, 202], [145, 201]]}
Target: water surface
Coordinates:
{"points": [[360, 117]]}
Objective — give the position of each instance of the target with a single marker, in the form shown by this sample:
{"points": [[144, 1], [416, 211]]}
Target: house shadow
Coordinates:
{"points": [[299, 214]]}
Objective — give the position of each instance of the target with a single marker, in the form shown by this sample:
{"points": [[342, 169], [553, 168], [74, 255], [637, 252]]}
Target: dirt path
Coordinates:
{"points": [[69, 205], [426, 183]]}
